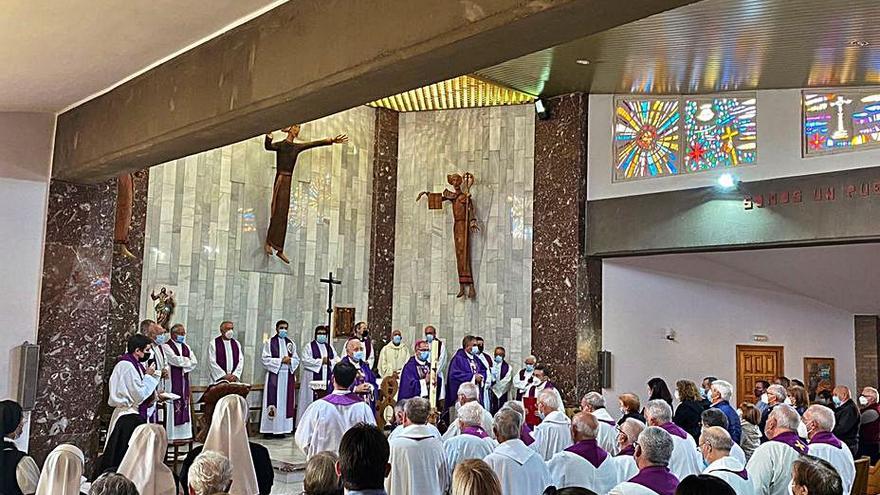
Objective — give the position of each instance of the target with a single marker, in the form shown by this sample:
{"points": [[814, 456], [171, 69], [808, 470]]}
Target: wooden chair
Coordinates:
{"points": [[860, 485], [873, 478]]}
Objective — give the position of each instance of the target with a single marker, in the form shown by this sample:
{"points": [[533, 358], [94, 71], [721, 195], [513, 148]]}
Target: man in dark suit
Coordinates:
{"points": [[846, 416]]}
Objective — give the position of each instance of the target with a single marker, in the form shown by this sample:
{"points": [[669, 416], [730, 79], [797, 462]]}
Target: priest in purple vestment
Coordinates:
{"points": [[365, 381], [225, 356], [362, 332], [279, 397], [652, 454], [182, 361], [416, 374], [465, 367]]}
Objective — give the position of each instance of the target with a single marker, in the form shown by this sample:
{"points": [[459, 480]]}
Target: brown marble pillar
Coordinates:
{"points": [[382, 218], [566, 285], [867, 338], [74, 310]]}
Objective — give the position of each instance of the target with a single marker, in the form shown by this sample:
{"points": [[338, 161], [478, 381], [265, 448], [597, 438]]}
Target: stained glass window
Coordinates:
{"points": [[646, 138], [721, 132], [840, 121]]}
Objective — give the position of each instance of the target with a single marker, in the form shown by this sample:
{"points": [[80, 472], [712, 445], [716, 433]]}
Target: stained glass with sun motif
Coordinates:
{"points": [[840, 121], [720, 132], [646, 138]]}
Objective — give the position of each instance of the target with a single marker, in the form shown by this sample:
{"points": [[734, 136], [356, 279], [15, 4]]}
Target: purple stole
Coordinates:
{"points": [[272, 383], [316, 354], [476, 431], [742, 474], [525, 434], [628, 450], [348, 399], [410, 376], [589, 450], [791, 439], [826, 437], [368, 349], [180, 386], [674, 429], [656, 478], [221, 354], [522, 376], [144, 406]]}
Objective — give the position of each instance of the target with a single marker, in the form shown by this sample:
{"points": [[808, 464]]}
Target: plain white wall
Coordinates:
{"points": [[779, 150], [25, 161], [709, 319]]}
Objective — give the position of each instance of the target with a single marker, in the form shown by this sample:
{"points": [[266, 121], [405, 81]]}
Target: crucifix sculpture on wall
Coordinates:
{"points": [[464, 224]]}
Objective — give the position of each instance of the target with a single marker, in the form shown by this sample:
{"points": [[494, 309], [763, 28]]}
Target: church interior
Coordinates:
{"points": [[612, 191]]}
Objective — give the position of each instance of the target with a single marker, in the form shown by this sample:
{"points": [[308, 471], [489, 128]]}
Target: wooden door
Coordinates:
{"points": [[756, 362]]}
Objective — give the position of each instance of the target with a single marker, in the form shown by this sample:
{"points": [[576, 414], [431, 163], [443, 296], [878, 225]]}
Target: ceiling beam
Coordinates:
{"points": [[307, 59]]}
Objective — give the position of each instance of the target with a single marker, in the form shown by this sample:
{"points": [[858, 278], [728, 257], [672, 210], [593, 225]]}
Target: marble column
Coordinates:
{"points": [[382, 221], [867, 338], [566, 285], [74, 316]]}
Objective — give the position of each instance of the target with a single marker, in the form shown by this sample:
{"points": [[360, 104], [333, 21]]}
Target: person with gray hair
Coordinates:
{"points": [[210, 473], [553, 434], [813, 476], [398, 421], [585, 464], [715, 447], [594, 403], [653, 452], [418, 461], [524, 378], [774, 396], [685, 459], [113, 484], [519, 468], [820, 421], [770, 465], [473, 442], [467, 393], [720, 394], [525, 430], [715, 417]]}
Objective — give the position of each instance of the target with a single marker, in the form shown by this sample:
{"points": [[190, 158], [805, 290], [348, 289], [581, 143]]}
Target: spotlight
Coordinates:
{"points": [[727, 182], [541, 109]]}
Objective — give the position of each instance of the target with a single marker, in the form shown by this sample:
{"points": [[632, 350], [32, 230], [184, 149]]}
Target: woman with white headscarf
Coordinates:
{"points": [[62, 473], [144, 463]]}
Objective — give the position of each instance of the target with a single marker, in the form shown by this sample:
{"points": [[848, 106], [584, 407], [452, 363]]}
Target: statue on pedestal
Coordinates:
{"points": [[465, 223], [164, 307]]}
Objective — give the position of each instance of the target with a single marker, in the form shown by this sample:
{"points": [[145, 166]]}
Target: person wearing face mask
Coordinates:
{"points": [[684, 459], [362, 332], [540, 383], [869, 429], [585, 463], [415, 377], [487, 362], [553, 434], [159, 336], [468, 393], [627, 434], [606, 433], [652, 455], [690, 406], [393, 356], [182, 361], [317, 359], [280, 360], [705, 385], [365, 381], [720, 395], [225, 358], [824, 445], [759, 391], [466, 367], [442, 360], [19, 473], [523, 380], [770, 465], [502, 377], [846, 418], [715, 444], [773, 397]]}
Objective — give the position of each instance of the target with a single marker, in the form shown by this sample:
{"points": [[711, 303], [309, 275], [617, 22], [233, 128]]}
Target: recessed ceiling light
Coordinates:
{"points": [[858, 43], [582, 61]]}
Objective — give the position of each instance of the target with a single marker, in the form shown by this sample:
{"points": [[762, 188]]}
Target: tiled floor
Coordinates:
{"points": [[289, 463]]}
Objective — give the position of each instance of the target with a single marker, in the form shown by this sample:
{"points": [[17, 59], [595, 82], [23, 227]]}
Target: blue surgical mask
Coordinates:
{"points": [[705, 462], [836, 400], [162, 338], [322, 339], [358, 356], [180, 339], [540, 414], [498, 359], [429, 338], [282, 333], [475, 351], [396, 339], [530, 368], [424, 355]]}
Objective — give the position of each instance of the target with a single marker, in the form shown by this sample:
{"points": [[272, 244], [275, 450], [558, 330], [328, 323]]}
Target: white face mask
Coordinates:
{"points": [[863, 400], [229, 334], [677, 396], [765, 398], [788, 401]]}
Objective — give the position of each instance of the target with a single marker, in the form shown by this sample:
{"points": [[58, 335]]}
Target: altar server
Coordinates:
{"points": [[653, 452], [606, 435], [318, 359], [685, 459], [365, 381], [159, 336], [486, 360], [820, 423], [416, 374], [473, 443], [225, 356], [585, 464], [328, 418], [418, 461], [279, 397], [181, 359], [468, 393], [394, 355], [519, 468], [553, 434], [770, 464], [715, 447], [524, 378], [131, 384], [540, 382], [466, 367], [442, 359], [502, 377]]}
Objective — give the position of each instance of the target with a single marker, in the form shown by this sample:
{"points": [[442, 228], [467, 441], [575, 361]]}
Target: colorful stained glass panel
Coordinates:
{"points": [[646, 138], [720, 132], [840, 121]]}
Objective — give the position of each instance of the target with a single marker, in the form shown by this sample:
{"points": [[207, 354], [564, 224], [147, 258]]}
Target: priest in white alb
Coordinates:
{"points": [[524, 377], [225, 356], [716, 446], [279, 395], [520, 469], [418, 461], [182, 361], [653, 452], [770, 465], [685, 458], [327, 419], [820, 422], [553, 434], [317, 360], [473, 443], [442, 359], [502, 377], [585, 464], [132, 384], [159, 336], [468, 392], [393, 356], [606, 435]]}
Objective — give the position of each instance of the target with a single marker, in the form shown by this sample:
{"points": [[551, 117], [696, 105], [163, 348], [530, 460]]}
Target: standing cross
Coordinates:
{"points": [[330, 281], [729, 134], [840, 133]]}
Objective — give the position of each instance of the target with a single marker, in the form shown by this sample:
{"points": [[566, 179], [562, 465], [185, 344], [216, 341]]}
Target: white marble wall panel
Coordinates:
{"points": [[206, 224], [496, 145]]}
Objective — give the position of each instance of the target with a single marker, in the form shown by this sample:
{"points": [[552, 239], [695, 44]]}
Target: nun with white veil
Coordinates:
{"points": [[228, 436], [62, 473], [144, 462]]}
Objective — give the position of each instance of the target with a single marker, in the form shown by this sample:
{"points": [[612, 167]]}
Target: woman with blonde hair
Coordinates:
{"points": [[690, 408], [475, 477], [144, 463], [62, 473], [629, 408]]}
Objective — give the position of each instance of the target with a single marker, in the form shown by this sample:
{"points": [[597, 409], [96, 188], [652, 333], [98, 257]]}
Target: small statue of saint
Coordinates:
{"points": [[286, 153], [165, 305], [465, 223]]}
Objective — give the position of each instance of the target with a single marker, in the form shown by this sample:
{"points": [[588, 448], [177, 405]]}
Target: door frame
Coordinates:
{"points": [[751, 347]]}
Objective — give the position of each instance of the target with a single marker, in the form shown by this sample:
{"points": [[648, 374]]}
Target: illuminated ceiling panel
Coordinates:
{"points": [[460, 92]]}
